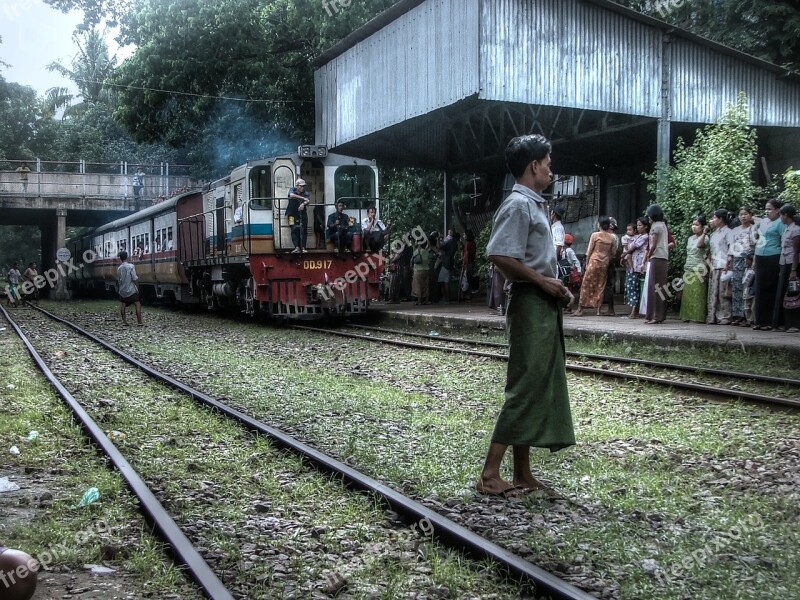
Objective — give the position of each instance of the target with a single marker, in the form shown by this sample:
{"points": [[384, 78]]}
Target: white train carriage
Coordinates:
{"points": [[150, 239]]}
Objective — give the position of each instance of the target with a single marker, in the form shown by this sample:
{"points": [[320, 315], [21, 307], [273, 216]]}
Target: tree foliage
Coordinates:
{"points": [[791, 187], [715, 172], [19, 243], [95, 11], [28, 128], [18, 120], [90, 70], [412, 198], [202, 66], [768, 29]]}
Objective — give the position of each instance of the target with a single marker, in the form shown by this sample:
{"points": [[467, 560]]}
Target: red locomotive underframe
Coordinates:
{"points": [[288, 278]]}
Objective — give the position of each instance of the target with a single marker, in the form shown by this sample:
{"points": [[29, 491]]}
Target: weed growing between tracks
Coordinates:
{"points": [[53, 471], [664, 486]]}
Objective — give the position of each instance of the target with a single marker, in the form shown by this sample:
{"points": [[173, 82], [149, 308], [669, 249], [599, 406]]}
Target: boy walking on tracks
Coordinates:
{"points": [[536, 411], [127, 290]]}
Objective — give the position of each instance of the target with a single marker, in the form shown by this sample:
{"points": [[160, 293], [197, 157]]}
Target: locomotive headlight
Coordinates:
{"points": [[312, 151]]}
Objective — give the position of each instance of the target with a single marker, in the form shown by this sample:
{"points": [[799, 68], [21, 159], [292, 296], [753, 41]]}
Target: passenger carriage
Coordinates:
{"points": [[149, 238]]}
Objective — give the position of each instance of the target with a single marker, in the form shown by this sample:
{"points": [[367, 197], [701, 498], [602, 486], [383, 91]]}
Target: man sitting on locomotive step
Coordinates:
{"points": [[299, 199], [374, 231], [338, 230]]}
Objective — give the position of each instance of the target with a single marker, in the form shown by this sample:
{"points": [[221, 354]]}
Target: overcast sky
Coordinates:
{"points": [[34, 35]]}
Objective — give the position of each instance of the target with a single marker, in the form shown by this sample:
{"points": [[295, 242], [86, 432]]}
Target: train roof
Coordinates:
{"points": [[146, 213], [329, 160]]}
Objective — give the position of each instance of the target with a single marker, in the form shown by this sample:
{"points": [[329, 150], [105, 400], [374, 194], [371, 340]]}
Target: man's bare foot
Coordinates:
{"points": [[495, 486], [529, 484], [533, 487]]}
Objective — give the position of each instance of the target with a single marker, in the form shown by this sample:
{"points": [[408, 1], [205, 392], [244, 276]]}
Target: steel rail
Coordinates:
{"points": [[447, 531], [697, 387], [622, 359], [198, 568]]}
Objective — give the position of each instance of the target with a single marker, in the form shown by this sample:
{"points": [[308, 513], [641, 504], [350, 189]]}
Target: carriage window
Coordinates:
{"points": [[355, 181], [260, 186]]}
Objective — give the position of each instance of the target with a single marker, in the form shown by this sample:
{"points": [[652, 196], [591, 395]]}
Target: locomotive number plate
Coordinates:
{"points": [[317, 264]]}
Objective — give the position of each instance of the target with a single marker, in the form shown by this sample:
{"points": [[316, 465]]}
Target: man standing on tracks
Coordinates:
{"points": [[536, 411], [12, 291], [127, 290]]}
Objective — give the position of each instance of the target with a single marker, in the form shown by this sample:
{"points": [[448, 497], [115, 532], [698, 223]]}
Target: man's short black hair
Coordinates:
{"points": [[523, 150], [655, 212], [123, 255]]}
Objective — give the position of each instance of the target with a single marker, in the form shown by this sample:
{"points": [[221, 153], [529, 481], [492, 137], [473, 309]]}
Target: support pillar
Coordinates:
{"points": [[62, 293], [664, 119], [47, 254]]}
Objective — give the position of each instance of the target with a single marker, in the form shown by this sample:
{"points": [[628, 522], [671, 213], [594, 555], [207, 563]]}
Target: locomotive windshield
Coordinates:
{"points": [[357, 184], [260, 188]]}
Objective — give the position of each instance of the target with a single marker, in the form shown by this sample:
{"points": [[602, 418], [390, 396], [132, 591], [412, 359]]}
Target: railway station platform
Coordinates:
{"points": [[466, 316]]}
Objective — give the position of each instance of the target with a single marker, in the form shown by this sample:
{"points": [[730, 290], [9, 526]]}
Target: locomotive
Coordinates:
{"points": [[229, 245]]}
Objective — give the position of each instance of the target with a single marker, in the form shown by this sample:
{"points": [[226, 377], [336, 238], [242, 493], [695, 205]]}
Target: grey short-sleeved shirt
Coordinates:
{"points": [[126, 275], [661, 249], [521, 230]]}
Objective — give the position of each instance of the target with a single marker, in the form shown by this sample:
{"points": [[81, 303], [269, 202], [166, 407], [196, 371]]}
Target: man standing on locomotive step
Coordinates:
{"points": [[127, 290], [536, 411], [299, 199]]}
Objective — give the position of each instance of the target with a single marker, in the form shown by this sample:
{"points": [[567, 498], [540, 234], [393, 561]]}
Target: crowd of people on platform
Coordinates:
{"points": [[424, 273], [739, 270]]}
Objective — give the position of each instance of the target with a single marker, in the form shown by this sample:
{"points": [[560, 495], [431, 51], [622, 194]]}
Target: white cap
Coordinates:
{"points": [[300, 182]]}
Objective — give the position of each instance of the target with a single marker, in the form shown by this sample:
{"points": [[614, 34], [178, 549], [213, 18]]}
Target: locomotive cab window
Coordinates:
{"points": [[260, 188], [356, 184]]}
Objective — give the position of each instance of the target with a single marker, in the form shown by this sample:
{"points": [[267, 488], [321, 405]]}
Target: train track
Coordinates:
{"points": [[442, 529], [170, 532], [707, 380]]}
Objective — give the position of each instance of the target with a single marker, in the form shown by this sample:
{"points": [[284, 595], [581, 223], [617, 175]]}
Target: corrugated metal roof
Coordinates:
{"points": [[416, 64], [566, 68], [403, 6], [569, 54], [704, 81]]}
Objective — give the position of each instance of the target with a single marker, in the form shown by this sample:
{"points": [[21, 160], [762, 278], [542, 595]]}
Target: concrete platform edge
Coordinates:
{"points": [[449, 322]]}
